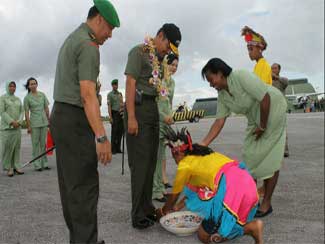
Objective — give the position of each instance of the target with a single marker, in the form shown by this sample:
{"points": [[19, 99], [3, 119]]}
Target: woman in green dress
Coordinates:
{"points": [[264, 106], [165, 101], [37, 118], [11, 112]]}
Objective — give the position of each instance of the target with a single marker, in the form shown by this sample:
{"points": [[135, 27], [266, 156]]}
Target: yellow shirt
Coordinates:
{"points": [[263, 70], [199, 171]]}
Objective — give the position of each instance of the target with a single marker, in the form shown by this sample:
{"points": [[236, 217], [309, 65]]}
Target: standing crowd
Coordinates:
{"points": [[145, 119]]}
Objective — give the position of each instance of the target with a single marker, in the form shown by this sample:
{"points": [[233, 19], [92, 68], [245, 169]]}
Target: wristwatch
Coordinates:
{"points": [[101, 139]]}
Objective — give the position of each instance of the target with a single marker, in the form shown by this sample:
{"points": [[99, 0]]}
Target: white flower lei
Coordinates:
{"points": [[156, 79]]}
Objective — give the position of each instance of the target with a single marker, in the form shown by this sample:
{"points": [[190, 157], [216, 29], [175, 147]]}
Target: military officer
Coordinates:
{"points": [[77, 129], [281, 83], [114, 107], [143, 81]]}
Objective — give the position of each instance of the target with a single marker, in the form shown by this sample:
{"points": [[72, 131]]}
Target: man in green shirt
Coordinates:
{"points": [[114, 110], [142, 119], [76, 123]]}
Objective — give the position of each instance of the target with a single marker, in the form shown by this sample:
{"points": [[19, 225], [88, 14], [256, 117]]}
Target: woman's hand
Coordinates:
{"points": [[169, 120], [258, 133], [15, 124], [180, 205], [29, 130], [159, 213]]}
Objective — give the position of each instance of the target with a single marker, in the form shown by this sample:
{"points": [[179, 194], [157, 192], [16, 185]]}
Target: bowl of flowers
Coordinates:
{"points": [[181, 223]]}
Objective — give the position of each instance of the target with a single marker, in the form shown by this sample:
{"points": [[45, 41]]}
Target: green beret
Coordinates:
{"points": [[107, 10], [115, 81]]}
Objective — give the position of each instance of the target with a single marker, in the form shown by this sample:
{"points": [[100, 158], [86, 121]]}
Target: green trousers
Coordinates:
{"points": [[77, 164], [39, 146], [10, 148], [142, 157], [158, 189]]}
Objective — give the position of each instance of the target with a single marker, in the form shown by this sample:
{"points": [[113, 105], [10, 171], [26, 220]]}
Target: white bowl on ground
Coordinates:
{"points": [[182, 223]]}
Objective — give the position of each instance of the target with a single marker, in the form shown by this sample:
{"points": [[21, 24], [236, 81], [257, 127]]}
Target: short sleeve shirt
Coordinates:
{"points": [[78, 60], [139, 67], [263, 71], [199, 171], [246, 91], [36, 105], [114, 100]]}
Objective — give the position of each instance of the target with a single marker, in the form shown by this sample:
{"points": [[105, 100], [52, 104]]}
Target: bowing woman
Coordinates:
{"points": [[264, 106]]}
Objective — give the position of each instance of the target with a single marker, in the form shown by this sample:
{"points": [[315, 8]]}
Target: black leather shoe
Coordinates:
{"points": [[47, 168], [152, 217], [142, 224], [260, 214], [39, 170], [100, 242]]}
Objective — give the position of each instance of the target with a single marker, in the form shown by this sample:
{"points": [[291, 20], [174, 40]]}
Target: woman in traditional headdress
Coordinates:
{"points": [[11, 113], [216, 187], [256, 44], [165, 101]]}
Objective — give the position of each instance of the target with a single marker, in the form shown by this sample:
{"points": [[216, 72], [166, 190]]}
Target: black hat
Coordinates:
{"points": [[115, 82], [174, 36]]}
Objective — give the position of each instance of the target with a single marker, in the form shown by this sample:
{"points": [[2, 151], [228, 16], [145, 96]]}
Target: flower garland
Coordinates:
{"points": [[156, 80]]}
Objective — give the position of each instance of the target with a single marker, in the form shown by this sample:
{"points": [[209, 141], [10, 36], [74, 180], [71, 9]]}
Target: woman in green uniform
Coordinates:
{"points": [[37, 118], [165, 100], [241, 92], [11, 112]]}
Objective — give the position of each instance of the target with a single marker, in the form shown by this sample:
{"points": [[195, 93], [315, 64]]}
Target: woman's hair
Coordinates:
{"points": [[12, 82], [184, 137], [27, 83], [170, 58], [214, 66]]}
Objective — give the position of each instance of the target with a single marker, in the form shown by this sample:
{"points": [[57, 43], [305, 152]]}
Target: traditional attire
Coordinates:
{"points": [[165, 109], [218, 189], [262, 68], [263, 156], [36, 104], [11, 109]]}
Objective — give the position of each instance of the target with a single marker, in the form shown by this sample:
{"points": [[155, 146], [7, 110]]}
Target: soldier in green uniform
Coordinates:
{"points": [[114, 108], [165, 118], [37, 118], [77, 129], [143, 81], [281, 83], [11, 113]]}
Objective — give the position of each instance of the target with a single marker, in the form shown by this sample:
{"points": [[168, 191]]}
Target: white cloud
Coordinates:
{"points": [[34, 30]]}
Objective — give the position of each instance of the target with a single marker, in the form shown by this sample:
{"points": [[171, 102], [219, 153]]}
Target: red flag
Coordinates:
{"points": [[49, 142]]}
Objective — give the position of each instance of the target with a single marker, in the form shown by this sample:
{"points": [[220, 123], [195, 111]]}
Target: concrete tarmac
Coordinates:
{"points": [[30, 208]]}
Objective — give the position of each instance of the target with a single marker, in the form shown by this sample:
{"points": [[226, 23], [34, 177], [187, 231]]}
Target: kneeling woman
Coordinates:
{"points": [[216, 187]]}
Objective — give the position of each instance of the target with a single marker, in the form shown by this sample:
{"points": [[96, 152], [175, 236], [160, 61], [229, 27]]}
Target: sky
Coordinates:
{"points": [[34, 30]]}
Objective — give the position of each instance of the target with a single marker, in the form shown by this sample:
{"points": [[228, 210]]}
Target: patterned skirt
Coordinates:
{"points": [[230, 206]]}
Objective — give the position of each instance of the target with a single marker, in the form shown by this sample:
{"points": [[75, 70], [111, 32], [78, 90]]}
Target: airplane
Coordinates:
{"points": [[298, 99]]}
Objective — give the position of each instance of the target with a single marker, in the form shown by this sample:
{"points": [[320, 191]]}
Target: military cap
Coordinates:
{"points": [[107, 10], [174, 36]]}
